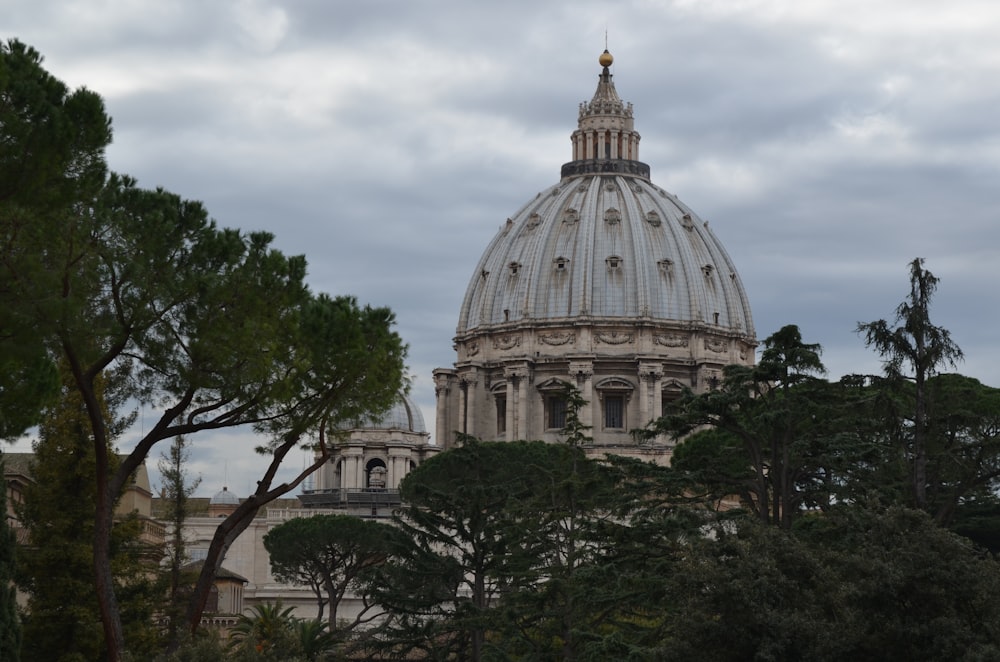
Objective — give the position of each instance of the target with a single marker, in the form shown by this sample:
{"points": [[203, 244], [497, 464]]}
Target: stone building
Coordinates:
{"points": [[604, 281], [364, 471]]}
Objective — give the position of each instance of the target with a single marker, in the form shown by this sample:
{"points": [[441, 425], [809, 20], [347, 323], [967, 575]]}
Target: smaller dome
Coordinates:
{"points": [[225, 498], [403, 415]]}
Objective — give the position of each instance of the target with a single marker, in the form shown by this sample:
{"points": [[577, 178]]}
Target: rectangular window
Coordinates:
{"points": [[557, 412], [501, 414], [614, 411]]}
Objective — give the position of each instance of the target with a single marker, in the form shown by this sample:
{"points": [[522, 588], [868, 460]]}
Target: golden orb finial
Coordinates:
{"points": [[606, 59]]}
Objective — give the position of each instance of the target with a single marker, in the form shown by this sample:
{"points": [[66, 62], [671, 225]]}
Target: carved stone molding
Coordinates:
{"points": [[507, 342], [614, 338], [670, 340], [716, 345], [556, 338], [472, 348]]}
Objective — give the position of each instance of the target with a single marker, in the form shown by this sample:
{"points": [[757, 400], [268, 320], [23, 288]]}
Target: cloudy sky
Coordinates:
{"points": [[827, 142]]}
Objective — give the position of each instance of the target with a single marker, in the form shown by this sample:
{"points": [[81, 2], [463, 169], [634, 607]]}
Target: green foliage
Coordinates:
{"points": [[28, 383], [963, 445], [334, 555], [459, 510], [923, 347], [715, 463], [203, 646], [56, 567], [232, 338], [271, 634], [177, 489], [784, 417]]}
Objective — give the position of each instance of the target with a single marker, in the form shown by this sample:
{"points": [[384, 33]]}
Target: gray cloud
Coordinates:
{"points": [[827, 143]]}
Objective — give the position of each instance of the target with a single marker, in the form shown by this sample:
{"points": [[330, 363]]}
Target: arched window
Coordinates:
{"points": [[376, 474]]}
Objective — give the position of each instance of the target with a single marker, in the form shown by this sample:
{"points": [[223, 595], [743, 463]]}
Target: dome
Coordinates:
{"points": [[403, 415], [604, 282], [224, 498], [605, 244]]}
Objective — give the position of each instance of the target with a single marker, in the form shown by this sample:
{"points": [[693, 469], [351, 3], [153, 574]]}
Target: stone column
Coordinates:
{"points": [[471, 423], [583, 373], [509, 423], [444, 418], [650, 396]]}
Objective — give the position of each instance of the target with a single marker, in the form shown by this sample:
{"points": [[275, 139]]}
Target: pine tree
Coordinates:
{"points": [[177, 489], [57, 568], [923, 347]]}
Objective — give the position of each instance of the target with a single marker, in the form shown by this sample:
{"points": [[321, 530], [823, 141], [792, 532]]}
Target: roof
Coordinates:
{"points": [[605, 244], [404, 415], [222, 573]]}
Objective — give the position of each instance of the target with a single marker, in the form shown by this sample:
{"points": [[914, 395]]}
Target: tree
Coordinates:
{"points": [[52, 156], [177, 489], [465, 511], [963, 444], [232, 338], [921, 346], [856, 583], [269, 631], [56, 568], [10, 621], [566, 527], [333, 555], [783, 415]]}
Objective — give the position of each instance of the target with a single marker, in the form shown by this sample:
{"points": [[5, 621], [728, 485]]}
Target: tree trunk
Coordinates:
{"points": [[239, 520], [107, 603]]}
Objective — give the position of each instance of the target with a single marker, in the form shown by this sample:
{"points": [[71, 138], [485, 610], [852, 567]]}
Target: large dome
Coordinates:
{"points": [[606, 243], [603, 282], [606, 246]]}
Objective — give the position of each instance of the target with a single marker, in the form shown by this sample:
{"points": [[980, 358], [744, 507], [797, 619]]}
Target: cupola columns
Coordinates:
{"points": [[605, 134]]}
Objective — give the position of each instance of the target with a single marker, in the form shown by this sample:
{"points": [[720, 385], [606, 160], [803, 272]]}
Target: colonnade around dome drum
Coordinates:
{"points": [[625, 372]]}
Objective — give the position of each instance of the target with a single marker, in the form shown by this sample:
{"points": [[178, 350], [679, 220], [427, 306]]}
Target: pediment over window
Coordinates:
{"points": [[553, 384], [614, 384]]}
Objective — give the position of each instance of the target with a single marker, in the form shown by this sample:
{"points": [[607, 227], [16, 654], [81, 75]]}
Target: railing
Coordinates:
{"points": [[340, 498], [378, 503]]}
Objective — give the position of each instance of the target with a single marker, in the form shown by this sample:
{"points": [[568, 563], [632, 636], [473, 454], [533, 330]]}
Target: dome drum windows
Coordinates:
{"points": [[614, 395], [553, 392], [555, 412]]}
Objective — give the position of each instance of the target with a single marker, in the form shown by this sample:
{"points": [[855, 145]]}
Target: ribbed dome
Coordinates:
{"points": [[404, 415], [605, 243], [224, 498]]}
